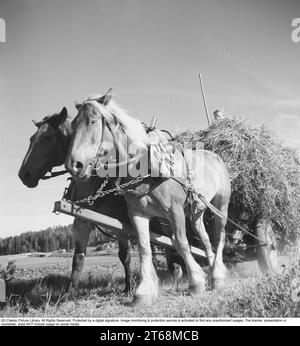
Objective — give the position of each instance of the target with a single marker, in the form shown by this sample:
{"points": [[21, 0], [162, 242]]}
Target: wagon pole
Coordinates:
{"points": [[204, 98], [115, 225]]}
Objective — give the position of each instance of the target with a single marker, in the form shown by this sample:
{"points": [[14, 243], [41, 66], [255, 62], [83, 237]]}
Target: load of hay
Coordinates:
{"points": [[264, 172]]}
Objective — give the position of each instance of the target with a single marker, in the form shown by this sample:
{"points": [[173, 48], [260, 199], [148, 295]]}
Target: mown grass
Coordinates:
{"points": [[101, 296]]}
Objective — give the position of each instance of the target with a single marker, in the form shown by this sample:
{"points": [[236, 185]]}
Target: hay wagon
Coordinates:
{"points": [[262, 247]]}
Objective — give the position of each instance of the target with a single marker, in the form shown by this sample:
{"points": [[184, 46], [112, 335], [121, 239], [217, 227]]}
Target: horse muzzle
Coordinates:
{"points": [[28, 178], [77, 169]]}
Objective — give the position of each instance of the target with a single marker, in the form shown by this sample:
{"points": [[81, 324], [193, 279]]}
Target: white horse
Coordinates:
{"points": [[97, 127]]}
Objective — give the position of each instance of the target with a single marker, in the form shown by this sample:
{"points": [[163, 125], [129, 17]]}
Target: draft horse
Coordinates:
{"points": [[48, 148], [100, 125]]}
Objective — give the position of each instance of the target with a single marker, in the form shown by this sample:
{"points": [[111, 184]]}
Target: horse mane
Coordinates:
{"points": [[133, 128], [65, 127]]}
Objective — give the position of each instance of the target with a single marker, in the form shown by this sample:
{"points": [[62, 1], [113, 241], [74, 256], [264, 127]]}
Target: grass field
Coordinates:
{"points": [[39, 283]]}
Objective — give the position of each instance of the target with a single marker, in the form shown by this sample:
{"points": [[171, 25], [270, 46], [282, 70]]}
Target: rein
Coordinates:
{"points": [[221, 215], [114, 165], [217, 212]]}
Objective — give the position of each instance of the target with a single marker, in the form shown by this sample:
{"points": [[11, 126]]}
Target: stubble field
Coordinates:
{"points": [[38, 286]]}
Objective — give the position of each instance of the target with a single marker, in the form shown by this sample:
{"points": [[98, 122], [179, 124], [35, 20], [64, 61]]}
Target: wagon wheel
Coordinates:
{"points": [[267, 256]]}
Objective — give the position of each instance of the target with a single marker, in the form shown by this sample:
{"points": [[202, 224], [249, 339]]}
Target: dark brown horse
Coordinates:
{"points": [[101, 124], [48, 148]]}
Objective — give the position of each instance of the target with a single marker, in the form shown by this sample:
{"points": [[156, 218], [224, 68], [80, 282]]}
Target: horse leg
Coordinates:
{"points": [[125, 258], [81, 230], [218, 269], [147, 289], [178, 274], [198, 226], [154, 258], [170, 262], [174, 268], [195, 274]]}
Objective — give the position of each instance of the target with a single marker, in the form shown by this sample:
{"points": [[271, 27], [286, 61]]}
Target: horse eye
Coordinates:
{"points": [[93, 121]]}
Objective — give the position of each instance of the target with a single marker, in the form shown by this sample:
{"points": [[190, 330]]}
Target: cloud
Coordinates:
{"points": [[270, 86], [236, 62], [287, 125], [288, 103]]}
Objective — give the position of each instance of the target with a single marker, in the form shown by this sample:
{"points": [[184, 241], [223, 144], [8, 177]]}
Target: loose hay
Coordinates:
{"points": [[264, 173]]}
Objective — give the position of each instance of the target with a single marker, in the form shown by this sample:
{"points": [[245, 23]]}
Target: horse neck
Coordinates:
{"points": [[63, 143], [122, 152]]}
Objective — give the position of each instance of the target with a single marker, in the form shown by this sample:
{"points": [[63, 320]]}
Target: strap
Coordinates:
{"points": [[54, 174], [217, 211]]}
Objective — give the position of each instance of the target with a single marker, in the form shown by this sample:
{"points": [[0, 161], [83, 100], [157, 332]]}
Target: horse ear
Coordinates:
{"points": [[63, 114], [106, 98], [35, 123], [77, 105], [57, 119]]}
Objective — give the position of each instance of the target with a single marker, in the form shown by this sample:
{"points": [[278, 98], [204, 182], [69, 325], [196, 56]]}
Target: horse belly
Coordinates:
{"points": [[209, 177], [144, 206]]}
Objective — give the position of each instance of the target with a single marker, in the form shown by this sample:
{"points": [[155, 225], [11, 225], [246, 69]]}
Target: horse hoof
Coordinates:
{"points": [[197, 289], [69, 294], [142, 301]]}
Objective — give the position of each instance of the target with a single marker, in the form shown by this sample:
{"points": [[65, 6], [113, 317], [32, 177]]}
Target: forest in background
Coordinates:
{"points": [[48, 240]]}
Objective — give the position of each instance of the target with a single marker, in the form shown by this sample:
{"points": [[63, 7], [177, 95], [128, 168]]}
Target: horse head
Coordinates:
{"points": [[48, 148], [97, 129]]}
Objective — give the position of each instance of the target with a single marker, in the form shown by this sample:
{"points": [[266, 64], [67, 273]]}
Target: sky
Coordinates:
{"points": [[150, 53]]}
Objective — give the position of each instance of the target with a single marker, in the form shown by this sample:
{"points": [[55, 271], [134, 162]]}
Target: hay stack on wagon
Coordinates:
{"points": [[264, 172]]}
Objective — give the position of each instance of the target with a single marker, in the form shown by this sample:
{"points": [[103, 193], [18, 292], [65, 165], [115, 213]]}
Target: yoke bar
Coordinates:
{"points": [[115, 225]]}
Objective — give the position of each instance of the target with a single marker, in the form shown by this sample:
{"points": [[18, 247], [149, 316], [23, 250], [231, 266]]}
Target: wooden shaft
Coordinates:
{"points": [[114, 224], [204, 98]]}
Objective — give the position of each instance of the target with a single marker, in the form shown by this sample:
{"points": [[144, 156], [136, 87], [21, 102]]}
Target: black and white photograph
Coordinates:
{"points": [[150, 164]]}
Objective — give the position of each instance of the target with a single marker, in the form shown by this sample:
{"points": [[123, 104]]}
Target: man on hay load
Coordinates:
{"points": [[218, 114]]}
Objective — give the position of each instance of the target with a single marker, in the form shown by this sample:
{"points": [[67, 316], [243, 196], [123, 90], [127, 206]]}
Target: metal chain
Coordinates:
{"points": [[100, 193]]}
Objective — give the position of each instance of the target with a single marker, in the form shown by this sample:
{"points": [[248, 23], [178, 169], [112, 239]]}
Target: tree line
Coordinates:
{"points": [[47, 240]]}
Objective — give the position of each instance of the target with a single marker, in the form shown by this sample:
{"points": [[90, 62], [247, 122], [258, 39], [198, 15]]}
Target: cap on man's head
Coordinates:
{"points": [[219, 113]]}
